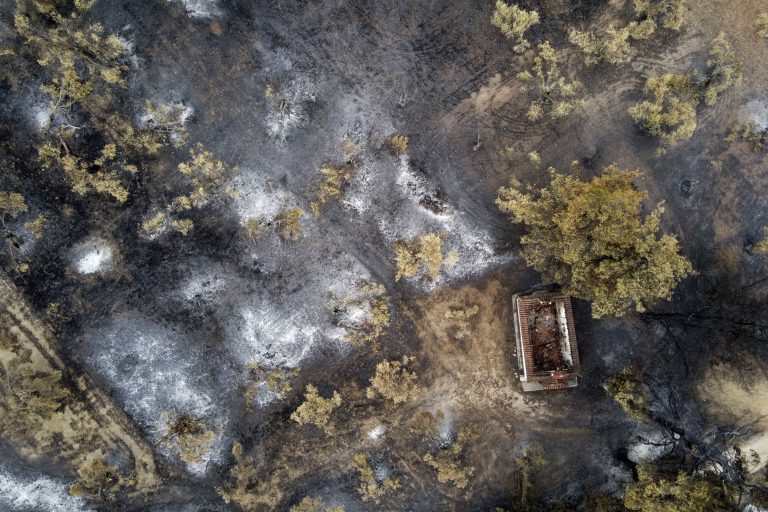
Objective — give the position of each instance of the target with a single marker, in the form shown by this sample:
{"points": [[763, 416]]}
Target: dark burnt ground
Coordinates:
{"points": [[439, 73]]}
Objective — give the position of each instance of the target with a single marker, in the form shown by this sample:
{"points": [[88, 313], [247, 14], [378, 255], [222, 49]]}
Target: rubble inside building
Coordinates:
{"points": [[545, 336]]}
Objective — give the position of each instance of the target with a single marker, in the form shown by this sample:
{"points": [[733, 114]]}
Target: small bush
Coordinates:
{"points": [[316, 410]]}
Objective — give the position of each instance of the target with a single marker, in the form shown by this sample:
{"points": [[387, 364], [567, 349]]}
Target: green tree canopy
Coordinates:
{"points": [[592, 238]]}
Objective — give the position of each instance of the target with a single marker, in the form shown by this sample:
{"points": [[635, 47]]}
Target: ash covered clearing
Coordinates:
{"points": [[229, 322]]}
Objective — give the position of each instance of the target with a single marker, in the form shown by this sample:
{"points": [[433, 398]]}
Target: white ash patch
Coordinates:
{"points": [[25, 493], [42, 118], [650, 445], [289, 93], [203, 9], [265, 396], [376, 432], [445, 430], [407, 205], [417, 187], [154, 370], [756, 111], [288, 106], [205, 285], [274, 336], [259, 198], [381, 472], [93, 256], [354, 315], [278, 328], [129, 47]]}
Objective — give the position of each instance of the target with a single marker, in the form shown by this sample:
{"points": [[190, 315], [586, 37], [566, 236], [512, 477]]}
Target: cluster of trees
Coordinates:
{"points": [[448, 461], [188, 437], [363, 330], [704, 470], [592, 238], [670, 113], [206, 175], [100, 482], [422, 254], [393, 381], [371, 488], [749, 132], [87, 70], [316, 410], [13, 205], [612, 45]]}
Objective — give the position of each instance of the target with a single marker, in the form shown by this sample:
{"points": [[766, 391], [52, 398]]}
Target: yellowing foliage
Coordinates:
{"points": [[423, 253], [288, 223], [447, 462], [370, 489], [657, 492], [399, 144], [80, 58], [552, 93], [334, 181], [98, 481], [188, 437], [316, 410], [609, 45], [666, 13], [308, 504], [277, 381], [364, 314], [761, 247], [627, 390], [393, 381], [37, 226], [762, 24], [12, 204], [513, 23], [462, 317], [749, 132], [80, 173], [591, 238], [724, 69], [153, 226], [671, 115], [243, 478]]}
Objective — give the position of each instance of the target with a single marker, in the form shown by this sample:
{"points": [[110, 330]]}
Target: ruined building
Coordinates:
{"points": [[547, 353]]}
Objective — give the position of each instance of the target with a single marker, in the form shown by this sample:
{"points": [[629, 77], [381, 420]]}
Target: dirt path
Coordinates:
{"points": [[92, 413]]}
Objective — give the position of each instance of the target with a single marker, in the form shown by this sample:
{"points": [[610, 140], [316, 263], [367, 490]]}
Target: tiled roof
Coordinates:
{"points": [[546, 379]]}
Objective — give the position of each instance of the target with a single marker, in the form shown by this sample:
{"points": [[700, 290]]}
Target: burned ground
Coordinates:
{"points": [[173, 324]]}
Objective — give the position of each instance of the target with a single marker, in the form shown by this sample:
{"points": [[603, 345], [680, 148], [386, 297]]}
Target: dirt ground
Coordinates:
{"points": [[280, 90]]}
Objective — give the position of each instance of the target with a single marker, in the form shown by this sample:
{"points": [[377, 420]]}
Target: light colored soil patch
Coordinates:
{"points": [[732, 401], [82, 426], [476, 371]]}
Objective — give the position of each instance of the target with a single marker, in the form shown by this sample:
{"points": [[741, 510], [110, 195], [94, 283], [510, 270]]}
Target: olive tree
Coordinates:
{"points": [[592, 238], [513, 23]]}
